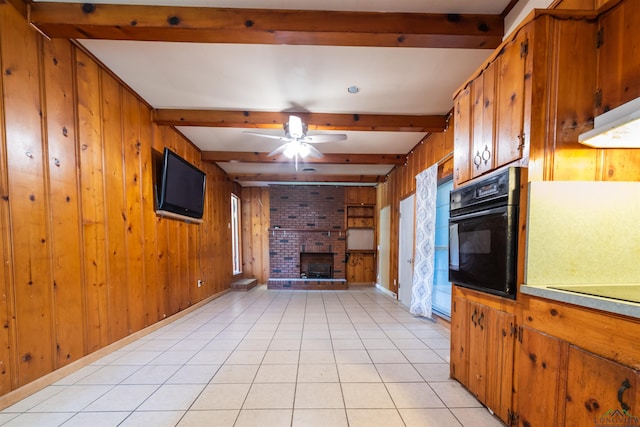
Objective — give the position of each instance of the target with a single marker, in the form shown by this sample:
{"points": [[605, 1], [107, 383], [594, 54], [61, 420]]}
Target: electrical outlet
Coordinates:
{"points": [[200, 283]]}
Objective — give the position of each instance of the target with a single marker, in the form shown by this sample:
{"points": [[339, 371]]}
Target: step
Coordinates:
{"points": [[244, 284], [308, 284]]}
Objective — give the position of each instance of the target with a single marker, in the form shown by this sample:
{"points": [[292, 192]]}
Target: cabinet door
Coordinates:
{"points": [[618, 78], [510, 99], [599, 391], [459, 338], [361, 268], [483, 113], [359, 196], [539, 366], [462, 136], [478, 351], [500, 347]]}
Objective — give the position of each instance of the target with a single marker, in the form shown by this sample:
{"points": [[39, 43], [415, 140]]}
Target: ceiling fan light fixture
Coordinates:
{"points": [[295, 127], [304, 150], [291, 150]]}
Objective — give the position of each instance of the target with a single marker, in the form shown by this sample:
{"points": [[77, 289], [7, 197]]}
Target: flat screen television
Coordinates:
{"points": [[180, 188]]}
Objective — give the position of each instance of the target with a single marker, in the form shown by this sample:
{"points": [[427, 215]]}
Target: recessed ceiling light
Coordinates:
{"points": [[353, 89]]}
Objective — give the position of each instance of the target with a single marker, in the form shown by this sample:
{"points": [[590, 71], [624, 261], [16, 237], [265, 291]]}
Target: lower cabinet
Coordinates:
{"points": [[482, 345], [530, 378], [600, 392], [560, 384], [539, 366], [361, 268]]}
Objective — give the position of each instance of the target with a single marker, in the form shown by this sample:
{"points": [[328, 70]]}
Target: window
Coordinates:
{"points": [[441, 285], [236, 253]]}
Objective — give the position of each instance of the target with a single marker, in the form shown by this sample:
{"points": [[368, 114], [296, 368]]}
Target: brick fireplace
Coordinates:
{"points": [[307, 235]]}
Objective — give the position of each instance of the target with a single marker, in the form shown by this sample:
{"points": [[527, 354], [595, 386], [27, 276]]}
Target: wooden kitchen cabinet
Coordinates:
{"points": [[618, 81], [361, 268], [510, 100], [462, 137], [459, 359], [489, 114], [482, 346], [559, 383], [599, 391], [539, 365], [530, 98], [360, 196], [483, 90]]}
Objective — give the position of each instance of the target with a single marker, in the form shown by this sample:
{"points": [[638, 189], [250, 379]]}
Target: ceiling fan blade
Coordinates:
{"points": [[265, 135], [278, 150], [313, 151], [314, 139]]}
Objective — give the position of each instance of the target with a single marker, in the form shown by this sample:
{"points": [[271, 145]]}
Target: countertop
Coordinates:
{"points": [[618, 299]]}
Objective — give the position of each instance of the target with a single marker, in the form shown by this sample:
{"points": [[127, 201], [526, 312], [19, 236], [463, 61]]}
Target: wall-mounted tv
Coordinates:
{"points": [[180, 188]]}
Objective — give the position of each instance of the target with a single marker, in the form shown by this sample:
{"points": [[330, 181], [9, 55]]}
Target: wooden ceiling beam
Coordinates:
{"points": [[306, 177], [265, 26], [328, 158], [314, 121]]}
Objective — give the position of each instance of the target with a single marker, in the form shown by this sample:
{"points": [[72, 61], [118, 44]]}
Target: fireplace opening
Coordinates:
{"points": [[316, 265]]}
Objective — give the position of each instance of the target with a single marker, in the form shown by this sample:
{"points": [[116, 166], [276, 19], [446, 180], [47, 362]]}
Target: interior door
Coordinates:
{"points": [[384, 248], [405, 250]]}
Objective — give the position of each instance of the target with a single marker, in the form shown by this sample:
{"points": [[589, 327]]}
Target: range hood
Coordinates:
{"points": [[617, 128]]}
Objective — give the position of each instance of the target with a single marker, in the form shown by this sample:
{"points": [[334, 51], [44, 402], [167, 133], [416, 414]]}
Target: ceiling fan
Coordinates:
{"points": [[298, 143]]}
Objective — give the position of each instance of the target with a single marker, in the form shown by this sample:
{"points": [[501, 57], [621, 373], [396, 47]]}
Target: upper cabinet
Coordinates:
{"points": [[504, 115], [360, 196], [462, 136], [509, 100], [618, 79], [489, 113]]}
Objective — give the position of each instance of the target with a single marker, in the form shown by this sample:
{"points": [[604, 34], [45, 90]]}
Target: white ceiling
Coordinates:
{"points": [[293, 78]]}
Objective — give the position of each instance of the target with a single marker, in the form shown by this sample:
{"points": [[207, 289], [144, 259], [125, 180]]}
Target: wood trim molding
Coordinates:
{"points": [[314, 121], [266, 26], [328, 158], [305, 177]]}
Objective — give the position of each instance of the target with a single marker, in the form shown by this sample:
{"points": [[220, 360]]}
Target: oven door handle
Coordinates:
{"points": [[502, 210]]}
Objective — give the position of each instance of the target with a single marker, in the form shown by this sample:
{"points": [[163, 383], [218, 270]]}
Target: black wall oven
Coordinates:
{"points": [[483, 233]]}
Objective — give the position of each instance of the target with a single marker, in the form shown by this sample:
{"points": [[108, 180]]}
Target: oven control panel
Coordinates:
{"points": [[501, 188]]}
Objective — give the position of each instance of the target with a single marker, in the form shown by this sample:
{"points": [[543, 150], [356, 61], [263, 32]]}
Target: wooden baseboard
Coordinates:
{"points": [[28, 389]]}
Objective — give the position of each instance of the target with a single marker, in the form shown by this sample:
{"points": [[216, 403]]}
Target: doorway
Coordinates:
{"points": [[405, 249], [384, 248]]}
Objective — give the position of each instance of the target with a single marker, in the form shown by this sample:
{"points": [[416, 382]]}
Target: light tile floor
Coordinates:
{"points": [[269, 358]]}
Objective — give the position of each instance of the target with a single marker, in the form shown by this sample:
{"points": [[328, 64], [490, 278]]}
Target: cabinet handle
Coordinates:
{"points": [[477, 159], [486, 154], [626, 385], [480, 321], [474, 316]]}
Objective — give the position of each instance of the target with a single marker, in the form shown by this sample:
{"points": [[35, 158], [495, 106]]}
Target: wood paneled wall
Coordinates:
{"points": [[255, 203], [401, 182], [85, 260]]}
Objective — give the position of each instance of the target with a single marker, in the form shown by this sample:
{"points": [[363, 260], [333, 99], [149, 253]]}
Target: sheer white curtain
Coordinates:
{"points": [[425, 231]]}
